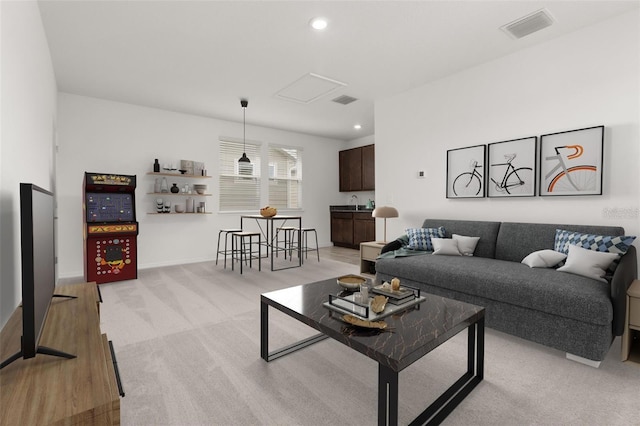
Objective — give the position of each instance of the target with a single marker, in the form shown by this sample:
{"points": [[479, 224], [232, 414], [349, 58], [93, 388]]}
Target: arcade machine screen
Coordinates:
{"points": [[109, 207]]}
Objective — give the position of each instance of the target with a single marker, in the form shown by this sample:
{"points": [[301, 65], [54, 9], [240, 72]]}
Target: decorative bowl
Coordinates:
{"points": [[351, 282], [179, 208], [200, 191], [268, 211]]}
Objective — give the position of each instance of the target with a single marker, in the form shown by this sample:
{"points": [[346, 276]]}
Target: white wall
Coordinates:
{"points": [[28, 116], [587, 78], [108, 137]]}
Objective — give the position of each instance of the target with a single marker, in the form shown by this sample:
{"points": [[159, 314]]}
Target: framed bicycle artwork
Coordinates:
{"points": [[465, 172], [571, 162], [511, 168]]}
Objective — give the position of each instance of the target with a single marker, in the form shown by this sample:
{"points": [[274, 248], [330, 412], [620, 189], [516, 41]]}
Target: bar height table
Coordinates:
{"points": [[269, 235]]}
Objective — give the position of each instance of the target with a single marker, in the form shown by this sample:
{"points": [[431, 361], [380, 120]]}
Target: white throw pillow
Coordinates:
{"points": [[544, 259], [588, 263], [466, 245], [445, 246]]}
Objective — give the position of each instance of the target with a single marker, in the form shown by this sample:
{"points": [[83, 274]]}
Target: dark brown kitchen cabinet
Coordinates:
{"points": [[342, 229], [368, 168], [357, 169], [350, 229], [364, 228]]}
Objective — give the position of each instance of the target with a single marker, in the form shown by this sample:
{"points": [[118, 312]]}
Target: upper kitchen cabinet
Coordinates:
{"points": [[357, 169], [368, 168]]}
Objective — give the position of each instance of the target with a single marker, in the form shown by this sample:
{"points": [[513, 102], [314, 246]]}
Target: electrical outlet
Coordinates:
{"points": [[421, 174]]}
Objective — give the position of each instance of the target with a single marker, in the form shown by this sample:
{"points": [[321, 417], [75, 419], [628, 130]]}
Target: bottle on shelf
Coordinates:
{"points": [[156, 166], [164, 187], [175, 189], [156, 186]]}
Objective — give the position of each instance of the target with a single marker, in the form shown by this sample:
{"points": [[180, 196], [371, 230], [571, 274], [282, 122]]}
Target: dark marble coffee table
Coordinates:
{"points": [[416, 332]]}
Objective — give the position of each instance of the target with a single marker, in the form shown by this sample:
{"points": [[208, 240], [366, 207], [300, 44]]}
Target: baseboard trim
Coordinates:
{"points": [[585, 361]]}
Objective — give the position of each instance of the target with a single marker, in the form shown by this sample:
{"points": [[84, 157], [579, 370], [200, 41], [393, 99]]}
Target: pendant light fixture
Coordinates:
{"points": [[244, 159]]}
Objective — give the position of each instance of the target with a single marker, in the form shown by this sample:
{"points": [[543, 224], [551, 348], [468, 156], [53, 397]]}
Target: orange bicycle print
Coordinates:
{"points": [[583, 177]]}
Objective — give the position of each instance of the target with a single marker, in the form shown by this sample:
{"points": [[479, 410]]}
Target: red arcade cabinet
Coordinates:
{"points": [[110, 227]]}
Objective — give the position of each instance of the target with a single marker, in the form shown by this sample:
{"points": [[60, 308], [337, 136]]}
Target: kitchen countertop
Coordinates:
{"points": [[349, 208]]}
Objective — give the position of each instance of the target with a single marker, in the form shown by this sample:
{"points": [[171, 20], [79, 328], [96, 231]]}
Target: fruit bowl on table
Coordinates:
{"points": [[268, 211], [351, 282]]}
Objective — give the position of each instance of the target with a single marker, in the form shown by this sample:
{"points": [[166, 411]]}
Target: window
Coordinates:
{"points": [[285, 177], [239, 182]]}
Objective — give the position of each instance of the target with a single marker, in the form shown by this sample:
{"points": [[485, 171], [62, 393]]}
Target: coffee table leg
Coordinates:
{"points": [[264, 338], [387, 396], [264, 331]]}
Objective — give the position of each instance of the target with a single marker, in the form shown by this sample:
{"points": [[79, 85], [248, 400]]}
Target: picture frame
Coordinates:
{"points": [[571, 162], [466, 171], [511, 168]]}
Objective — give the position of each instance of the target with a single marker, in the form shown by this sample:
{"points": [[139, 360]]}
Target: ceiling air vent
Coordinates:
{"points": [[528, 24], [344, 99]]}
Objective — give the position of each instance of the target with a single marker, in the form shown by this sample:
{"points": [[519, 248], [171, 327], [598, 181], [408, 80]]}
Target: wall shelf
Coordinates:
{"points": [[174, 213], [178, 175], [172, 178], [184, 194]]}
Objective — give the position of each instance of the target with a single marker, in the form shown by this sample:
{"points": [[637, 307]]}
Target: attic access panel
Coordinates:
{"points": [[309, 88]]}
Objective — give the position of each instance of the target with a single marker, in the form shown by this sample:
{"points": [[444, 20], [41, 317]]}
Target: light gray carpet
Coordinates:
{"points": [[187, 340]]}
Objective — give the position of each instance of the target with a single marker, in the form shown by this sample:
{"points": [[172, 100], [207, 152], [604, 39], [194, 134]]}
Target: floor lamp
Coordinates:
{"points": [[385, 212]]}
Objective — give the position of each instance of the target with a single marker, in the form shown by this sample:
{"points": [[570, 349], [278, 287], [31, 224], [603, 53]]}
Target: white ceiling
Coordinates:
{"points": [[201, 57]]}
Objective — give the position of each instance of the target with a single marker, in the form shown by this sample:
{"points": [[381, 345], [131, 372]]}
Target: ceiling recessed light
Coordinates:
{"points": [[318, 23], [357, 126]]}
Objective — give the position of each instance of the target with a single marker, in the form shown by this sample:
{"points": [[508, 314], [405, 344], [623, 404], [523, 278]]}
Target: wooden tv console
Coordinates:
{"points": [[48, 390]]}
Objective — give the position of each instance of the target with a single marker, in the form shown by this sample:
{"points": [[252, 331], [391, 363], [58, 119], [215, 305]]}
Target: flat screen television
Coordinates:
{"points": [[38, 256]]}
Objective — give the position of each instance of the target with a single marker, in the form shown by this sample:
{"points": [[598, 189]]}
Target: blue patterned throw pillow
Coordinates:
{"points": [[603, 243], [420, 238]]}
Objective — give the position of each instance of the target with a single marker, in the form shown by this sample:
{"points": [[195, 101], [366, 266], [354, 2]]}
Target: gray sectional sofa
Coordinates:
{"points": [[572, 313]]}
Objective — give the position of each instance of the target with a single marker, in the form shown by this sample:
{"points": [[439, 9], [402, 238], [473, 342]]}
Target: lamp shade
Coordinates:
{"points": [[385, 212]]}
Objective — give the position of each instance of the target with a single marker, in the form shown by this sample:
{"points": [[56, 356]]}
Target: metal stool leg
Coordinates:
{"points": [[218, 249], [317, 248], [226, 238]]}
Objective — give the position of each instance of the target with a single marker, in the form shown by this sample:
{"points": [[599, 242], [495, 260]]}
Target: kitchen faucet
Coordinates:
{"points": [[356, 197]]}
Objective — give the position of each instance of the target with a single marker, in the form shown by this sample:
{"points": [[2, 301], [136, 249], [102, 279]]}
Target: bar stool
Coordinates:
{"points": [[288, 236], [239, 248], [304, 241], [226, 238]]}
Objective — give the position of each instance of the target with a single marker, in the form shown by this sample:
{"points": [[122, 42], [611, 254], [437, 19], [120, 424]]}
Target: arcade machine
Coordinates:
{"points": [[110, 227]]}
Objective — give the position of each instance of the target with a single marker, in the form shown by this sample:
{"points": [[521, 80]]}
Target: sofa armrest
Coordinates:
{"points": [[625, 273]]}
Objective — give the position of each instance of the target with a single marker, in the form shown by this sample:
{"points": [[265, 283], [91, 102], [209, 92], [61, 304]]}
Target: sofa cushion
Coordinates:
{"points": [[486, 231], [544, 259], [466, 245], [445, 247], [618, 244], [517, 240], [547, 290], [420, 238], [588, 263]]}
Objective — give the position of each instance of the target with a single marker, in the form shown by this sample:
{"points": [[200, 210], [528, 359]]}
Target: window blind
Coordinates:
{"points": [[285, 177], [239, 182]]}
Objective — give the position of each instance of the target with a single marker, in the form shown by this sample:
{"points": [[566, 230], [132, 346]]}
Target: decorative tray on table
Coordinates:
{"points": [[351, 306], [397, 297]]}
